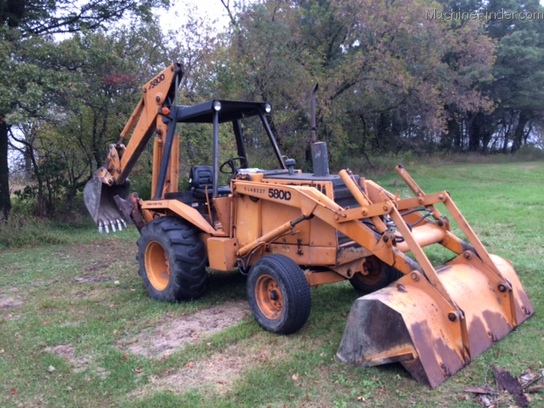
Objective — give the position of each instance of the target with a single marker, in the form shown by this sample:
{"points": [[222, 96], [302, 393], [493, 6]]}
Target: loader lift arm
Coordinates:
{"points": [[442, 317]]}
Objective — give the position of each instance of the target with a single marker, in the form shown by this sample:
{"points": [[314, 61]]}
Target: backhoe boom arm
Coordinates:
{"points": [[147, 118]]}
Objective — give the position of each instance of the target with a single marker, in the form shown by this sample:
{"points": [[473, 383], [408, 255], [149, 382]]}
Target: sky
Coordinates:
{"points": [[211, 9]]}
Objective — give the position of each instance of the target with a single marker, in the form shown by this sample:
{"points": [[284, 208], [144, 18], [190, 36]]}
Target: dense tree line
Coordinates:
{"points": [[393, 75]]}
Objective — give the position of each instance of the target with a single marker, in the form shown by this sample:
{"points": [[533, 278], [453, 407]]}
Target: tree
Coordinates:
{"points": [[518, 86], [386, 73], [99, 85], [24, 21]]}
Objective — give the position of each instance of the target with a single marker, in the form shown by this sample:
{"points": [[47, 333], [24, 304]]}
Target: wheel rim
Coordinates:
{"points": [[156, 266], [269, 297], [373, 269]]}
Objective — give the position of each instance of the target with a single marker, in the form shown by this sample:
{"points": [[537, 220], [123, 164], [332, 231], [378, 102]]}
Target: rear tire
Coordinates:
{"points": [[279, 294], [378, 276], [172, 260]]}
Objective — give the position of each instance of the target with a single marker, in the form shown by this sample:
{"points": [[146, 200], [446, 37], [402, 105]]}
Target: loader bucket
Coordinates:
{"points": [[99, 200], [411, 323]]}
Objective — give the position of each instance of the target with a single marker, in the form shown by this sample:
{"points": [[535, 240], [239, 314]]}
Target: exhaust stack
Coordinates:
{"points": [[320, 155]]}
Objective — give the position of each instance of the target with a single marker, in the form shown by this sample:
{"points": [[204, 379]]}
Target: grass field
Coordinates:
{"points": [[78, 330]]}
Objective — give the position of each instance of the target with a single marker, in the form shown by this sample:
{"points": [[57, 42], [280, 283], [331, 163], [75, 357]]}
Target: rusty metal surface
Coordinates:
{"points": [[523, 306], [409, 322], [404, 322]]}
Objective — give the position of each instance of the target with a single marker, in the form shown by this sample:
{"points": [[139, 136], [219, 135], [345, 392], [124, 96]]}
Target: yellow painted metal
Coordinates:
{"points": [[145, 120], [157, 266], [269, 297], [181, 210], [411, 323], [110, 180], [322, 278], [426, 234], [434, 320], [222, 253], [223, 210]]}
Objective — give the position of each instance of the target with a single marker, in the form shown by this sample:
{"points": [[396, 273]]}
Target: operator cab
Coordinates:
{"points": [[240, 134], [218, 112]]}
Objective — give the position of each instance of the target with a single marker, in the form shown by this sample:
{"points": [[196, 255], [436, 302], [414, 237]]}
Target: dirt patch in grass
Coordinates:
{"points": [[529, 165], [217, 372], [170, 336], [91, 279], [8, 302], [79, 363], [105, 261]]}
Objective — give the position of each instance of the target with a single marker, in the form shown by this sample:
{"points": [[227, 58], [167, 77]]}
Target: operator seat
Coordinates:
{"points": [[201, 181]]}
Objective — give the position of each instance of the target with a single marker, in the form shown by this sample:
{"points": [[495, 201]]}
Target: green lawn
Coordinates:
{"points": [[77, 329]]}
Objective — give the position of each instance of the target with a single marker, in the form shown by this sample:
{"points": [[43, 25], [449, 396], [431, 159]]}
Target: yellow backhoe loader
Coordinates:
{"points": [[289, 231]]}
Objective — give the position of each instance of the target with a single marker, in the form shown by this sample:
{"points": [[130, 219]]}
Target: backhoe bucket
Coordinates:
{"points": [[411, 323], [99, 200]]}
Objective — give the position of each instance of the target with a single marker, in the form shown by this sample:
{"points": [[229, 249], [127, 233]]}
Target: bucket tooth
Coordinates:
{"points": [[99, 200]]}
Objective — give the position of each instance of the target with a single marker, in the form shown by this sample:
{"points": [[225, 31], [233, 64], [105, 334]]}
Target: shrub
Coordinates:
{"points": [[22, 230]]}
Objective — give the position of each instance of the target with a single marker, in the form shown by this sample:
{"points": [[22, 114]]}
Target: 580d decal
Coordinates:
{"points": [[156, 81], [279, 194]]}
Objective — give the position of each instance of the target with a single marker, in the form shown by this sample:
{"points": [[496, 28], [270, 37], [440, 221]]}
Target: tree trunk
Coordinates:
{"points": [[479, 133], [474, 133], [453, 137], [519, 133], [5, 202]]}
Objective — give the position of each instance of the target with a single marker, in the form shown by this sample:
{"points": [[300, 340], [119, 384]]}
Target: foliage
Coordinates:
{"points": [[392, 80], [517, 82], [25, 38], [66, 138], [22, 230], [41, 17], [386, 73]]}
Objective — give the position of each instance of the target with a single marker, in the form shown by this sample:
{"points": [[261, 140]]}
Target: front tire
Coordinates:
{"points": [[378, 275], [279, 294], [172, 260]]}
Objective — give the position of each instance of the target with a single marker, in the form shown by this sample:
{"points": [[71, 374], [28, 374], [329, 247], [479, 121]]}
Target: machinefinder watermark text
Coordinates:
{"points": [[483, 14]]}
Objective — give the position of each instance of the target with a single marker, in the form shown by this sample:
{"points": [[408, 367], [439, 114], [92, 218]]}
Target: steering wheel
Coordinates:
{"points": [[229, 167]]}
